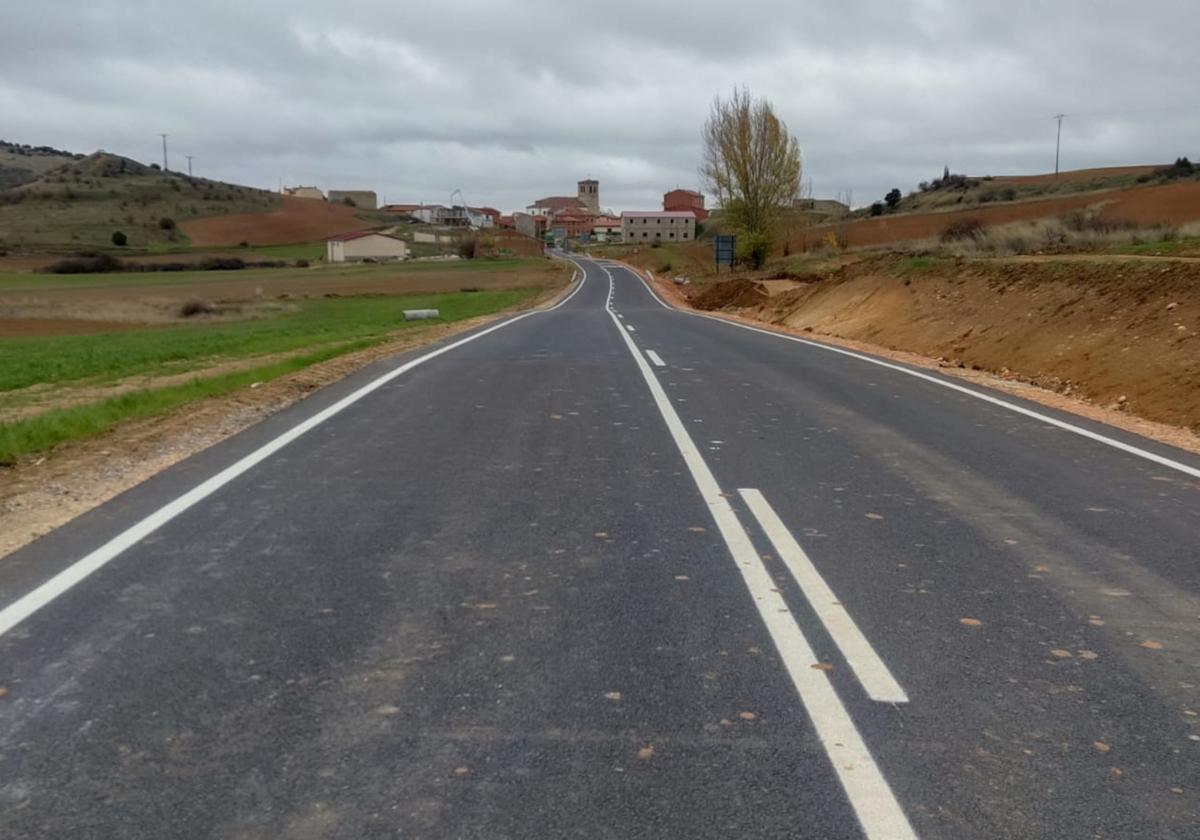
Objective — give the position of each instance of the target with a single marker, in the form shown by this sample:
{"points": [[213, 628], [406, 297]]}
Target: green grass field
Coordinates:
{"points": [[314, 330]]}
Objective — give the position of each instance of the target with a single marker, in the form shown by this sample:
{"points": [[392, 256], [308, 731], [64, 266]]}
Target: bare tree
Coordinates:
{"points": [[751, 165]]}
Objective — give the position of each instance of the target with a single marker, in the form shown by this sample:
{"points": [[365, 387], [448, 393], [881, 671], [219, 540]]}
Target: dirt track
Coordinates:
{"points": [[297, 220]]}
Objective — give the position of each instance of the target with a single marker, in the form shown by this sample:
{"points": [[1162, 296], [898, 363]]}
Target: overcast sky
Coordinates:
{"points": [[511, 100]]}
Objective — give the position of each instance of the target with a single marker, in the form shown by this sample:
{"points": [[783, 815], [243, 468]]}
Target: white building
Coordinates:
{"points": [[658, 225], [606, 229], [349, 247]]}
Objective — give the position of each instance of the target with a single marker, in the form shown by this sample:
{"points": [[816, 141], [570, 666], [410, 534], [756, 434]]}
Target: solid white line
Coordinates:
{"points": [[582, 280], [862, 658], [870, 796], [654, 357], [1161, 460], [31, 602]]}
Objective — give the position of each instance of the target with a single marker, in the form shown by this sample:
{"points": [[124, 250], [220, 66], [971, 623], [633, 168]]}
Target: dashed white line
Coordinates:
{"points": [[870, 796], [654, 357], [874, 675], [630, 327]]}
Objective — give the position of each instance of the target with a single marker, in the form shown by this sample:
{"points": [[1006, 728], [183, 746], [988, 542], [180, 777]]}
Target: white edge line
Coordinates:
{"points": [[1036, 415], [866, 664], [873, 802], [47, 591], [657, 359]]}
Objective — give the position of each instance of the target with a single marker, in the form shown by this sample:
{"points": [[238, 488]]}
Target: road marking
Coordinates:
{"points": [[1161, 460], [878, 812], [862, 658], [582, 280], [43, 594], [654, 357], [630, 327]]}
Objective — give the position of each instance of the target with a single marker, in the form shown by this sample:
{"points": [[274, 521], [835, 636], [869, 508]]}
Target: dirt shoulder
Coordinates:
{"points": [[39, 496], [1082, 342]]}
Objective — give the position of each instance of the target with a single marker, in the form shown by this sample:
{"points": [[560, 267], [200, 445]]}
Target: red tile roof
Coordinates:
{"points": [[558, 202], [662, 214], [359, 234]]}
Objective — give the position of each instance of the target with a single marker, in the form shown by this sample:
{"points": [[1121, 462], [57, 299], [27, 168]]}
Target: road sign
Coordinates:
{"points": [[724, 248]]}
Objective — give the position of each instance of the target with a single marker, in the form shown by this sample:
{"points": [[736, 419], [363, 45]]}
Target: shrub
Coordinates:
{"points": [[301, 263], [119, 239], [196, 307], [892, 199], [85, 265], [166, 223], [753, 249], [877, 208], [961, 229], [466, 248]]}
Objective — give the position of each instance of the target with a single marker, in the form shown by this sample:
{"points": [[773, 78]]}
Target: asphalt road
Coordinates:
{"points": [[618, 571]]}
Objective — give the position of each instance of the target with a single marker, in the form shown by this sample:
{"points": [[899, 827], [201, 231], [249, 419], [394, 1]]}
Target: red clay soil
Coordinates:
{"points": [[1075, 175], [297, 220], [1165, 204], [732, 293]]}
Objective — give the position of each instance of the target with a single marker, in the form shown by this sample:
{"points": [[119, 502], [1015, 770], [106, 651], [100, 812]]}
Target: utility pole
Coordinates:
{"points": [[189, 157], [1057, 142], [164, 138]]}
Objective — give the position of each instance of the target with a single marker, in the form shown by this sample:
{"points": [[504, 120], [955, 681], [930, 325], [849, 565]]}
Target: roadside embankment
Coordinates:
{"points": [[1119, 333]]}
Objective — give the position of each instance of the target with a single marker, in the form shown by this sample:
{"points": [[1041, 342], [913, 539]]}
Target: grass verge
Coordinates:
{"points": [[322, 330]]}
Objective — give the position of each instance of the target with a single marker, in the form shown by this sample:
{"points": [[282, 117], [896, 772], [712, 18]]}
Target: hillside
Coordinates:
{"points": [[956, 192], [20, 163], [81, 203]]}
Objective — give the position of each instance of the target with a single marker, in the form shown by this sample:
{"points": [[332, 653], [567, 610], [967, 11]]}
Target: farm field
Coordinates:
{"points": [[135, 350], [295, 220]]}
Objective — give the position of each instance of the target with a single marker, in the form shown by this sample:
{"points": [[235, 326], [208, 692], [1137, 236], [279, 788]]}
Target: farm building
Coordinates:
{"points": [[648, 226], [362, 199], [686, 200], [304, 192], [348, 247]]}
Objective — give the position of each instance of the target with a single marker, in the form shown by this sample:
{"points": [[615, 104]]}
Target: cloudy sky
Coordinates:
{"points": [[511, 100]]}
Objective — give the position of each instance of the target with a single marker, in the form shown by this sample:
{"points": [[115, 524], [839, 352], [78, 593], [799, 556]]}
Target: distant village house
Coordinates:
{"points": [[364, 245], [658, 225], [680, 200]]}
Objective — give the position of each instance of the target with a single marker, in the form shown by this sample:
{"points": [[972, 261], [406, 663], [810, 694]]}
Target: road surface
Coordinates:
{"points": [[614, 570]]}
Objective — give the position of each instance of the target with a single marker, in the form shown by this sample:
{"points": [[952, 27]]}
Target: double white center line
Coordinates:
{"points": [[874, 803]]}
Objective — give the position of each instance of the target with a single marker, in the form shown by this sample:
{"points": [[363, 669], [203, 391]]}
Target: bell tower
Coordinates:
{"points": [[589, 194]]}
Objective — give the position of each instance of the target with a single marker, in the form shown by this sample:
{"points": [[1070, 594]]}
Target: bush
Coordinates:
{"points": [[166, 223], [85, 265], [893, 198], [753, 249], [961, 229], [119, 239], [877, 208], [196, 307], [301, 263], [466, 248]]}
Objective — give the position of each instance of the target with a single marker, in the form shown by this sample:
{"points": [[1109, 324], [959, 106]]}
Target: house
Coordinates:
{"points": [[554, 204], [679, 200], [304, 192], [362, 199], [658, 225], [362, 245], [530, 224], [606, 229], [404, 209], [506, 222], [574, 223]]}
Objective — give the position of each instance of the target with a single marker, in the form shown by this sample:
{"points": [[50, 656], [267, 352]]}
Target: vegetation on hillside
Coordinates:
{"points": [[83, 202]]}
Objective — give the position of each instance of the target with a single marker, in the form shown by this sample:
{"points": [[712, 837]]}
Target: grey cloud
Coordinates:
{"points": [[513, 100]]}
